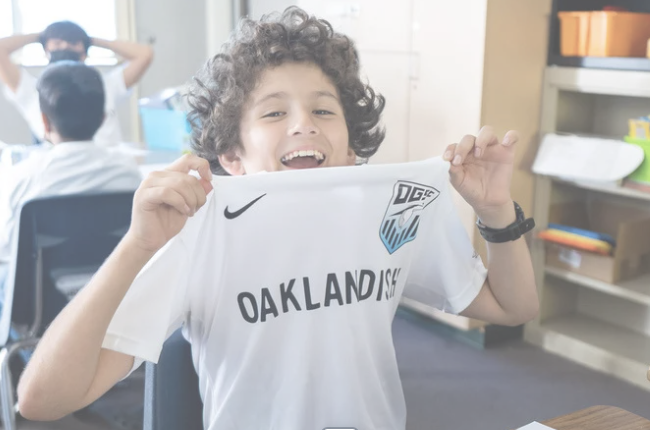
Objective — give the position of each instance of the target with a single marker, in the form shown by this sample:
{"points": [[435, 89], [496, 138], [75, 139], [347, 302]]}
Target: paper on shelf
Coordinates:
{"points": [[535, 426], [586, 158]]}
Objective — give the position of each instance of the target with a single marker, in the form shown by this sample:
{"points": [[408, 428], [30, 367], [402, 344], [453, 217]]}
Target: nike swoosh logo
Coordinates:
{"points": [[233, 215]]}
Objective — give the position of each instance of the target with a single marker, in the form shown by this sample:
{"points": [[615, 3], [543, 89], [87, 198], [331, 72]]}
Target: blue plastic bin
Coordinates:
{"points": [[165, 129]]}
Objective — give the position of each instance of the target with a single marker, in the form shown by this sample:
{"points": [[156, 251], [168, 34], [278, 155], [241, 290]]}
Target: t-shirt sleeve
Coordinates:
{"points": [[446, 273], [114, 84], [26, 93], [25, 99], [154, 307]]}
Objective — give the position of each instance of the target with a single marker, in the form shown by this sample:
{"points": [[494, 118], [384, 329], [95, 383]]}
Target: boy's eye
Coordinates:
{"points": [[323, 112], [273, 115]]}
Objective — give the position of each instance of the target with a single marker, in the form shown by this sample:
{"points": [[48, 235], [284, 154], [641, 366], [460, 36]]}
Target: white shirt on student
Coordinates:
{"points": [[287, 283], [66, 168], [26, 101]]}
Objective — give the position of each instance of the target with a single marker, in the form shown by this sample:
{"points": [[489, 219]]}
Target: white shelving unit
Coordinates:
{"points": [[603, 326]]}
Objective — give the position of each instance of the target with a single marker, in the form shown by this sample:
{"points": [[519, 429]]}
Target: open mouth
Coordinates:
{"points": [[306, 159]]}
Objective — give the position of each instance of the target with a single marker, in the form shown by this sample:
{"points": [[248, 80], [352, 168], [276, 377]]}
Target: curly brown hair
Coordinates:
{"points": [[220, 90]]}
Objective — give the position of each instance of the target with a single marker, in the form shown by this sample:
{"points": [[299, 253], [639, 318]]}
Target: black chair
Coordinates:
{"points": [[61, 242], [171, 389]]}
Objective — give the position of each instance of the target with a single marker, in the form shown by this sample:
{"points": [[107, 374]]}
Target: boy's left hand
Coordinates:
{"points": [[481, 171]]}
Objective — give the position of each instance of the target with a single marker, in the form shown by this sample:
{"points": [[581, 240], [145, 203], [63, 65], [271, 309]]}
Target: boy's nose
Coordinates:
{"points": [[303, 125]]}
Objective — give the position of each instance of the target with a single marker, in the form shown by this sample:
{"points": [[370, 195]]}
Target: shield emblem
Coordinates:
{"points": [[402, 218]]}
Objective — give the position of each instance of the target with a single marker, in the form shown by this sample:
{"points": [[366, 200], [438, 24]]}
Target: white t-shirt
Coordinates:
{"points": [[66, 168], [287, 284], [26, 101]]}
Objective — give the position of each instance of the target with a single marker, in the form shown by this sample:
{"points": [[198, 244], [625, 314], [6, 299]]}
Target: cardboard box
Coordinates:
{"points": [[630, 226]]}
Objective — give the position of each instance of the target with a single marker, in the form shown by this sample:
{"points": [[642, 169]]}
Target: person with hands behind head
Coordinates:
{"points": [[65, 40], [277, 274]]}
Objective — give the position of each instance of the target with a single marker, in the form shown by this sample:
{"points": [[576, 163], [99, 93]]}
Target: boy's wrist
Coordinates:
{"points": [[101, 43], [498, 217], [136, 249]]}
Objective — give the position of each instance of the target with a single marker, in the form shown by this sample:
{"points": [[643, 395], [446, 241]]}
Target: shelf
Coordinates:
{"points": [[607, 337], [636, 290], [595, 81], [607, 188], [596, 344], [607, 63]]}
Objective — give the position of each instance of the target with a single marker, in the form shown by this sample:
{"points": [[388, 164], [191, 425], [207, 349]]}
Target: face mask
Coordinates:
{"points": [[63, 55]]}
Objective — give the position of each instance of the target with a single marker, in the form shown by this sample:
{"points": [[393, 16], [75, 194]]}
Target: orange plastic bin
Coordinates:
{"points": [[574, 33], [604, 33]]}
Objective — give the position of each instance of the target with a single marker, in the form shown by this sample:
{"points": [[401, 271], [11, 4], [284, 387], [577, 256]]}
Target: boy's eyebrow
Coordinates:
{"points": [[325, 94], [283, 95], [278, 95]]}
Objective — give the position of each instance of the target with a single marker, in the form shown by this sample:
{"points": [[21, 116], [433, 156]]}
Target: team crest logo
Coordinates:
{"points": [[400, 224]]}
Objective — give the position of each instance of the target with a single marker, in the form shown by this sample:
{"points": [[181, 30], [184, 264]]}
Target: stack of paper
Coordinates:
{"points": [[535, 426], [585, 158]]}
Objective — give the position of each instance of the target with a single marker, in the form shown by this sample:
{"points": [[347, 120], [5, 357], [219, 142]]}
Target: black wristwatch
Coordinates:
{"points": [[513, 232]]}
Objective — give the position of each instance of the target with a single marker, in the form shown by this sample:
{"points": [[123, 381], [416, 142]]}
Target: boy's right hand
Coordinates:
{"points": [[165, 200]]}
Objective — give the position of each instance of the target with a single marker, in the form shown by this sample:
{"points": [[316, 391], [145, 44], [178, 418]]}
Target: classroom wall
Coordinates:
{"points": [[257, 8], [179, 31]]}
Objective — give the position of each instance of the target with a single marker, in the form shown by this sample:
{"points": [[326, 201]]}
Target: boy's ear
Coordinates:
{"points": [[46, 123], [232, 163], [352, 157]]}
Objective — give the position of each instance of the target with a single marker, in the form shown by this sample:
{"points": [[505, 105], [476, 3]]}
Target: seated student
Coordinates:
{"points": [[283, 96], [71, 97], [65, 40]]}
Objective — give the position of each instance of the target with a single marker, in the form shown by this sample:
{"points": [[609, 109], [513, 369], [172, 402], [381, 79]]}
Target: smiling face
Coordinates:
{"points": [[292, 120]]}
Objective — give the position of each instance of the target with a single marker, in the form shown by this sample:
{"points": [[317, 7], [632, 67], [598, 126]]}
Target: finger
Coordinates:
{"points": [[198, 189], [156, 196], [190, 187], [455, 172], [448, 155], [486, 137], [207, 185], [189, 162], [201, 187], [184, 184], [198, 164], [511, 138], [463, 149]]}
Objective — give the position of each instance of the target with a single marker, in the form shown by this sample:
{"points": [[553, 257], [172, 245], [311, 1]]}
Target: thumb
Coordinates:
{"points": [[456, 175]]}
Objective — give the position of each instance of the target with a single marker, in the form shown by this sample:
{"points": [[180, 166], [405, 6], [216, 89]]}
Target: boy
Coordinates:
{"points": [[287, 337], [71, 98], [65, 40]]}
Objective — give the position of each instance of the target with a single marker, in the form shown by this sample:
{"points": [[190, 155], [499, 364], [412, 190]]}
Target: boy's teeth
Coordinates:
{"points": [[305, 153]]}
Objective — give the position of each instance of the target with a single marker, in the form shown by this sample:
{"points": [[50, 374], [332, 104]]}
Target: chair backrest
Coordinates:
{"points": [[61, 234], [171, 389]]}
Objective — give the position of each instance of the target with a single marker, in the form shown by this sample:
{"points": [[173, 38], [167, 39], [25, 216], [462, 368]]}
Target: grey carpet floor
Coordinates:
{"points": [[450, 385]]}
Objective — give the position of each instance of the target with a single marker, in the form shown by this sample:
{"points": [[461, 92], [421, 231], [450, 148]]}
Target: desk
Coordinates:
{"points": [[599, 418]]}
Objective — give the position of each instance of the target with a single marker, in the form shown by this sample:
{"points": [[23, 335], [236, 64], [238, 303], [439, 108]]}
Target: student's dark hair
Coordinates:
{"points": [[65, 30], [71, 96], [220, 89]]}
